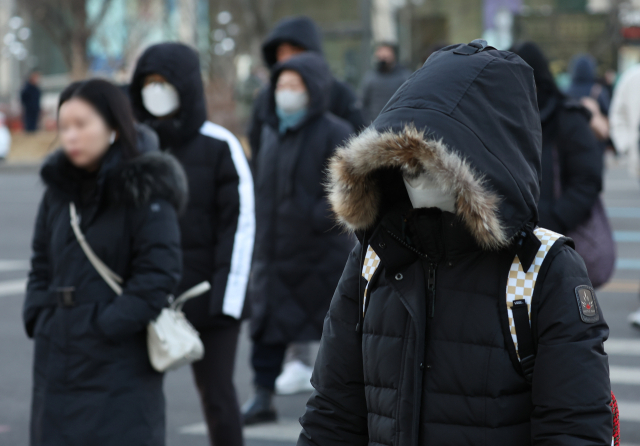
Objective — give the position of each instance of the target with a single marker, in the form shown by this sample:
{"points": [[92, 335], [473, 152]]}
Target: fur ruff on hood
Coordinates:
{"points": [[355, 193]]}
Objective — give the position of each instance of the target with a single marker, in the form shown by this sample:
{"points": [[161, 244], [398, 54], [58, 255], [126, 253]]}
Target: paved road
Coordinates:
{"points": [[19, 195]]}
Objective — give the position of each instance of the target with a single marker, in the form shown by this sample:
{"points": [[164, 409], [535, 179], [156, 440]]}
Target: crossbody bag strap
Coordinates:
{"points": [[112, 279]]}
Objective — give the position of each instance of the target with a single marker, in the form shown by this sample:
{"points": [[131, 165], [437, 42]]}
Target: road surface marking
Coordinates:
{"points": [[13, 287], [624, 375], [623, 212], [622, 347], [629, 410], [286, 429], [628, 264], [626, 236], [621, 286], [13, 265]]}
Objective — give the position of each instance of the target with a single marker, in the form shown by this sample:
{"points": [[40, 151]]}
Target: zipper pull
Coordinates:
{"points": [[431, 289]]}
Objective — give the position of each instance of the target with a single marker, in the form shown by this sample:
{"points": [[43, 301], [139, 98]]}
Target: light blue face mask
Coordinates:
{"points": [[289, 120]]}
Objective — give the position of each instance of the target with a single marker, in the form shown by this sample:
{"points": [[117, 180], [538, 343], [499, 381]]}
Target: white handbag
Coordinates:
{"points": [[171, 340]]}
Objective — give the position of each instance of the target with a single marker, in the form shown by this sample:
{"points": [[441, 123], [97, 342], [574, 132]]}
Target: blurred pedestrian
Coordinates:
{"points": [[625, 117], [625, 130], [591, 94], [5, 138], [572, 171], [30, 98], [381, 83], [441, 191], [584, 82], [217, 229], [299, 251], [291, 36], [92, 380]]}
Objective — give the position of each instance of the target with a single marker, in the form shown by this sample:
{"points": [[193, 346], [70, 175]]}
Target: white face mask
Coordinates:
{"points": [[290, 101], [425, 193], [160, 98]]}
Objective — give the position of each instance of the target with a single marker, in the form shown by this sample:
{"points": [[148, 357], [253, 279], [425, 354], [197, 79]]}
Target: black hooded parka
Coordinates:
{"points": [[92, 380], [429, 358], [218, 226], [299, 250], [304, 33]]}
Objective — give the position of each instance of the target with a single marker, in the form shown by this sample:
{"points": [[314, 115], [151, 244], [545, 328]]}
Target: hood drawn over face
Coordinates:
{"points": [[317, 78], [180, 65], [470, 121], [583, 69], [298, 31]]}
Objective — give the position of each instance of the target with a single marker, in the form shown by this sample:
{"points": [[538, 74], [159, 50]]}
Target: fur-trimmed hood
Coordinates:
{"points": [[471, 122], [134, 182]]}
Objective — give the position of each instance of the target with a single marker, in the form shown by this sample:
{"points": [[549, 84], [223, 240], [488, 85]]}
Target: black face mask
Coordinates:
{"points": [[383, 66]]}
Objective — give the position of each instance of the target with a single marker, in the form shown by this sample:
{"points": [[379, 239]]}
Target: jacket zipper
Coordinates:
{"points": [[431, 288]]}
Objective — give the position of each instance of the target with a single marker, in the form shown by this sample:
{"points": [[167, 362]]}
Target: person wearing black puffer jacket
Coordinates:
{"points": [[299, 250], [441, 191], [291, 36], [92, 380], [218, 226]]}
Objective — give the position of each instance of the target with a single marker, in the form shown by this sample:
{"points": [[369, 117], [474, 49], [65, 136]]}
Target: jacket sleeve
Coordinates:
{"points": [[234, 231], [336, 412], [256, 122], [155, 270], [323, 217], [39, 275], [345, 105], [365, 98], [571, 390], [582, 165]]}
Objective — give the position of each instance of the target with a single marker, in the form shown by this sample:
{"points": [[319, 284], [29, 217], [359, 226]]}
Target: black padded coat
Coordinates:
{"points": [[428, 359], [299, 250], [218, 226], [92, 380]]}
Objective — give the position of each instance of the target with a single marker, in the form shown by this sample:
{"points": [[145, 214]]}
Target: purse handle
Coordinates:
{"points": [[113, 280]]}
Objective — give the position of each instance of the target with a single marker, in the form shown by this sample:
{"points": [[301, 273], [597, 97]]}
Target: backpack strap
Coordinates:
{"points": [[520, 288]]}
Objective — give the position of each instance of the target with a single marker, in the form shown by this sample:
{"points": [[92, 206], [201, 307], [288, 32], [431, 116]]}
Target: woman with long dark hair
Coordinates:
{"points": [[92, 380]]}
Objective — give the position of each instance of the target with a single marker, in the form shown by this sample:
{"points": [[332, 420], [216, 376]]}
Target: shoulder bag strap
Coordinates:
{"points": [[112, 279]]}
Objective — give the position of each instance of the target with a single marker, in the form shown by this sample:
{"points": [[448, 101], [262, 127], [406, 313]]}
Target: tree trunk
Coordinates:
{"points": [[79, 65]]}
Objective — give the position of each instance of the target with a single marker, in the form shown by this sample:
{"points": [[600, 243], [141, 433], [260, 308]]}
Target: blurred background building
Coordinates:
{"points": [[70, 39]]}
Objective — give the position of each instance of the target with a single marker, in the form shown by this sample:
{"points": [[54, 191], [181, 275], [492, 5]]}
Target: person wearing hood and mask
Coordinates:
{"points": [[218, 226], [298, 250], [92, 380], [417, 347], [379, 85], [572, 170], [584, 82], [291, 36]]}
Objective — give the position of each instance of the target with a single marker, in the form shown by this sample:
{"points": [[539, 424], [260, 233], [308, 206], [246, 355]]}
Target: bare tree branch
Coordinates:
{"points": [[100, 17]]}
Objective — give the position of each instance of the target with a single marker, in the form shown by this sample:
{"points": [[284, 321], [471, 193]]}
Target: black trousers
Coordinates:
{"points": [[266, 360], [214, 380]]}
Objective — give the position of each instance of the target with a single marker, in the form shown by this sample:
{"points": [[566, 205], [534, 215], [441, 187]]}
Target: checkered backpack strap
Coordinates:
{"points": [[369, 268], [520, 287]]}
